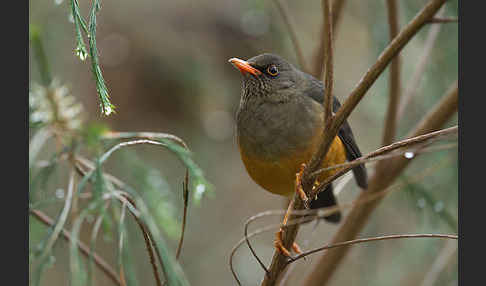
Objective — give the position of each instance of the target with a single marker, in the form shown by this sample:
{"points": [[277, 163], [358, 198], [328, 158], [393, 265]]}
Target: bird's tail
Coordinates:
{"points": [[326, 198]]}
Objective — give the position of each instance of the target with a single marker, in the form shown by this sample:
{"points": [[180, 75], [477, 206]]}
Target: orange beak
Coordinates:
{"points": [[244, 66]]}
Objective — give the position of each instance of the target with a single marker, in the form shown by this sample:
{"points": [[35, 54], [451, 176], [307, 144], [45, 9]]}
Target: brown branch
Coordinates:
{"points": [[320, 56], [322, 212], [327, 11], [85, 250], [383, 150], [362, 240], [391, 114], [279, 260], [358, 216], [437, 20], [284, 12], [368, 79]]}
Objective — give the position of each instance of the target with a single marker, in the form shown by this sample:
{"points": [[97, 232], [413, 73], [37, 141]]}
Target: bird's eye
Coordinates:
{"points": [[272, 70]]}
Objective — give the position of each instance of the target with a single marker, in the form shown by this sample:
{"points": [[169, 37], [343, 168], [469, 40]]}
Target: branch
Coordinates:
{"points": [[368, 79], [322, 212], [279, 260], [359, 214], [144, 135], [362, 240], [383, 150], [105, 267], [320, 57], [293, 34], [327, 11], [437, 20], [391, 115]]}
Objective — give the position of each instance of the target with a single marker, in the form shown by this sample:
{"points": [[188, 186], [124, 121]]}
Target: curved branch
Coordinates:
{"points": [[362, 240], [384, 150], [320, 56], [329, 81], [391, 114]]}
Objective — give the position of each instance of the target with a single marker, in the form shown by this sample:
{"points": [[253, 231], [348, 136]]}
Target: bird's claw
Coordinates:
{"points": [[282, 249]]}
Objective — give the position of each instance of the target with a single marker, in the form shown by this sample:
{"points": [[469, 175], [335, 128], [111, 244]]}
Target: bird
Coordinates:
{"points": [[279, 124]]}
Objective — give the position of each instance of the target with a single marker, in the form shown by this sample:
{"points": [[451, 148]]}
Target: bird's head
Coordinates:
{"points": [[267, 75]]}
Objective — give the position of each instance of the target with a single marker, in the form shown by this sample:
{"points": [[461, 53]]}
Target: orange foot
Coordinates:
{"points": [[298, 184], [281, 248]]}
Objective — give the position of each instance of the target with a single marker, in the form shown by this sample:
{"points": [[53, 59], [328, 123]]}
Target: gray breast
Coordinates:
{"points": [[271, 129]]}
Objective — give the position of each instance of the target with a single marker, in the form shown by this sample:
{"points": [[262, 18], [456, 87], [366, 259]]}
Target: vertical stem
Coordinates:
{"points": [[319, 59], [327, 11], [390, 121]]}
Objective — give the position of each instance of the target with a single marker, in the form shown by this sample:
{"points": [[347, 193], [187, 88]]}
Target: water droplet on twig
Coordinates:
{"points": [[409, 155]]}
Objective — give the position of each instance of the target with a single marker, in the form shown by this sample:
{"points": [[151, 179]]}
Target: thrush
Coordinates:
{"points": [[279, 123]]}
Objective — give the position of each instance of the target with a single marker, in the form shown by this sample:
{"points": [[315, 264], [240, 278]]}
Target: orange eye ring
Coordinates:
{"points": [[272, 70]]}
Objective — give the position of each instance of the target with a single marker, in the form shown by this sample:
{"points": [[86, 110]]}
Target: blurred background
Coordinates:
{"points": [[166, 67]]}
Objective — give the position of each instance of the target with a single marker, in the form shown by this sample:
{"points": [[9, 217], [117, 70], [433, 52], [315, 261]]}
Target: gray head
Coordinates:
{"points": [[267, 75]]}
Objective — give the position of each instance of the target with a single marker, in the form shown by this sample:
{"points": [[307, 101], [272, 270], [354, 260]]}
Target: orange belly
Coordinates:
{"points": [[278, 176]]}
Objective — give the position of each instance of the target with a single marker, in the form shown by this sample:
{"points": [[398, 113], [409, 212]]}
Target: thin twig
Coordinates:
{"points": [[383, 150], [329, 82], [144, 135], [370, 77], [361, 240], [185, 195], [284, 12], [102, 264], [391, 114], [320, 55]]}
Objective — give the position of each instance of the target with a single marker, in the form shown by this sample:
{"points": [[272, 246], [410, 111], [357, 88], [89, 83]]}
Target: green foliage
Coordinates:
{"points": [[80, 26], [56, 114]]}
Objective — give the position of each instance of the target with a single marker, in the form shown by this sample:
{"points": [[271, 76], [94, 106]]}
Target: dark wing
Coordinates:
{"points": [[315, 91]]}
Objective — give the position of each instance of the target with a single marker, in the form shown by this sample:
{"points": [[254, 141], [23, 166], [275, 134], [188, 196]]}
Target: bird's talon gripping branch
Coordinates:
{"points": [[298, 184], [281, 248], [279, 244]]}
